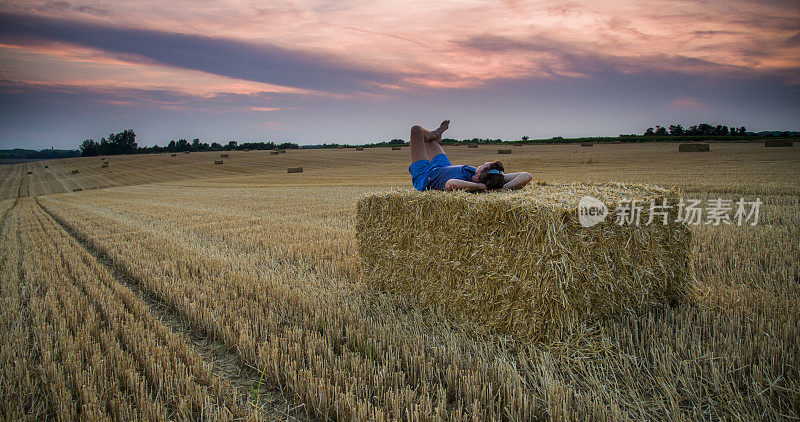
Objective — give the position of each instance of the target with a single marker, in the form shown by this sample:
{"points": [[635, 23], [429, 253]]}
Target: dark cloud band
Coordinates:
{"points": [[258, 62]]}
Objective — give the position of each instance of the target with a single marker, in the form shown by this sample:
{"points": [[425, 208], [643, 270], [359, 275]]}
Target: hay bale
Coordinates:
{"points": [[520, 262], [778, 143], [186, 152], [294, 170], [173, 155], [472, 146], [30, 172], [224, 155], [217, 161], [396, 148], [103, 159], [74, 172], [282, 151], [693, 147], [104, 165], [77, 189], [587, 144], [504, 151], [359, 148], [47, 167], [273, 152]]}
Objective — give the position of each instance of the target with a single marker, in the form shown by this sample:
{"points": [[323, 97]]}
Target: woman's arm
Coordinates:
{"points": [[517, 180], [458, 184]]}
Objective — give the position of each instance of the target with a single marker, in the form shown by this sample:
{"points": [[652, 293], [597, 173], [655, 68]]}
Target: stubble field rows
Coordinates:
{"points": [[265, 264]]}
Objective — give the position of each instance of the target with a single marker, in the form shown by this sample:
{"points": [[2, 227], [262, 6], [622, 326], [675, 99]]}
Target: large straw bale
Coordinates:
{"points": [[520, 262], [504, 151]]}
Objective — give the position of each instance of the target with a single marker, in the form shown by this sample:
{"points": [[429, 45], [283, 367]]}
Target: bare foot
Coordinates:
{"points": [[437, 134]]}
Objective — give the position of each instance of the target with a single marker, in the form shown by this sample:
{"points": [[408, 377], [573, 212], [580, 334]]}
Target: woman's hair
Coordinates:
{"points": [[492, 179]]}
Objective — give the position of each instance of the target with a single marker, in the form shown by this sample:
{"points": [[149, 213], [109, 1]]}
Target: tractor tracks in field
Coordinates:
{"points": [[225, 364]]}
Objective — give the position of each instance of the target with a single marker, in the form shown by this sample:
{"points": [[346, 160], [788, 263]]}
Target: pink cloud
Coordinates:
{"points": [[458, 45], [686, 102]]}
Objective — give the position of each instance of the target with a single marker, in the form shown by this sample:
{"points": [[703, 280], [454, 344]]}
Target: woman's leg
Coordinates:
{"points": [[417, 142], [425, 143], [433, 148]]}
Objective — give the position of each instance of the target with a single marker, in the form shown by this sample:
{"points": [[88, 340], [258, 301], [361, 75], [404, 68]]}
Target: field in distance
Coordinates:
{"points": [[173, 287]]}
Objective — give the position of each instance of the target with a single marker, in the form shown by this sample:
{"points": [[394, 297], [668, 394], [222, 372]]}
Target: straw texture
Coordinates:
{"points": [[520, 262]]}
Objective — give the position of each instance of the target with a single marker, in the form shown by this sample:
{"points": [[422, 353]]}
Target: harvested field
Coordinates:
{"points": [[778, 143], [693, 147], [174, 289]]}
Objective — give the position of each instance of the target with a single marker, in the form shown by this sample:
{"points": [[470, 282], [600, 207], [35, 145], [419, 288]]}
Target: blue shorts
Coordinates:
{"points": [[420, 170]]}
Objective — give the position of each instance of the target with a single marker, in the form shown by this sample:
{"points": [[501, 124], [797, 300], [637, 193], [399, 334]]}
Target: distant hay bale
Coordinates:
{"points": [[359, 148], [217, 161], [104, 165], [294, 170], [517, 145], [778, 143], [47, 167], [587, 144], [173, 155], [504, 151], [77, 189], [693, 147], [30, 172], [520, 262], [472, 146], [102, 158], [74, 172], [273, 152], [396, 148], [282, 151], [186, 152], [224, 155]]}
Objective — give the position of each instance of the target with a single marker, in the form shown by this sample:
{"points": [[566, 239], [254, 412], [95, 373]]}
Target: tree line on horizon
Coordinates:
{"points": [[702, 129], [125, 143]]}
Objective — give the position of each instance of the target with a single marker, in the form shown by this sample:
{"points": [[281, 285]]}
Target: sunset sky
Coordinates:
{"points": [[357, 71]]}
